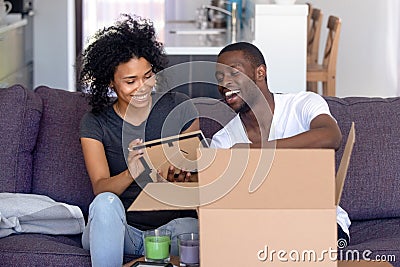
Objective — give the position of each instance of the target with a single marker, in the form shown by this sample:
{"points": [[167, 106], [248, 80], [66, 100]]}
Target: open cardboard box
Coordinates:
{"points": [[290, 219]]}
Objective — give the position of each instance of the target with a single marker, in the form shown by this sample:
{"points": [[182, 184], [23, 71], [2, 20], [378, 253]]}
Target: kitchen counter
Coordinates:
{"points": [[15, 52], [196, 44], [279, 31], [12, 22]]}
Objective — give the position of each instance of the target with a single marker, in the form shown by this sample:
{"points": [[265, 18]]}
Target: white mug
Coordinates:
{"points": [[5, 8]]}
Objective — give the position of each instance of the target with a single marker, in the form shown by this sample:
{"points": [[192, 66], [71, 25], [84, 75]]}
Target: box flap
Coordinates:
{"points": [[344, 163], [294, 178], [167, 196]]}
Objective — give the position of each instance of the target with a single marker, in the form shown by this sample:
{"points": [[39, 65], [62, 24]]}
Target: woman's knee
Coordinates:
{"points": [[106, 203]]}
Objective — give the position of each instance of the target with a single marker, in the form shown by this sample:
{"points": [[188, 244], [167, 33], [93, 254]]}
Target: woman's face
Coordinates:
{"points": [[133, 82]]}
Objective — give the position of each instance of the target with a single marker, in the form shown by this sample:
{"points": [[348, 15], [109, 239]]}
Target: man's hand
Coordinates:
{"points": [[171, 176]]}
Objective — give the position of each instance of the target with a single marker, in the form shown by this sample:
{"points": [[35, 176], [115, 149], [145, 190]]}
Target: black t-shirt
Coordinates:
{"points": [[171, 114]]}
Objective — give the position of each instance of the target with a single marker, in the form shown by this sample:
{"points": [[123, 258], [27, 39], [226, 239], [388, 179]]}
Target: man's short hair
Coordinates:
{"points": [[250, 51]]}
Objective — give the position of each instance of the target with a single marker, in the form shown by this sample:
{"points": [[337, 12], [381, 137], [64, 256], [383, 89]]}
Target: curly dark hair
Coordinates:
{"points": [[130, 37]]}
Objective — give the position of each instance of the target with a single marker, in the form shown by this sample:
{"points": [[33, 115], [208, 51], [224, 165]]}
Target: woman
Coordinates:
{"points": [[122, 60]]}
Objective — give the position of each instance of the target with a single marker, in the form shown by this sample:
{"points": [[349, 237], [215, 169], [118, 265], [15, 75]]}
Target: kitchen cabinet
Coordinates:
{"points": [[279, 31], [22, 76], [186, 48], [16, 62], [192, 78]]}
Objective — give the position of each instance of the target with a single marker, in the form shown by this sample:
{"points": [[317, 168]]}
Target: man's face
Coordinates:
{"points": [[236, 80]]}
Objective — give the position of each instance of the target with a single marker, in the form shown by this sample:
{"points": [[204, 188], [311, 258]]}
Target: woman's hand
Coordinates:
{"points": [[135, 166]]}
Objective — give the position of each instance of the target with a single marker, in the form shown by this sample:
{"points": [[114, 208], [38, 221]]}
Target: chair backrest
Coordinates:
{"points": [[332, 44], [310, 8], [313, 36]]}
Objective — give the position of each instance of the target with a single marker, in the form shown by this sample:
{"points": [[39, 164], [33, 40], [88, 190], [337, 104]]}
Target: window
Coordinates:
{"points": [[97, 14]]}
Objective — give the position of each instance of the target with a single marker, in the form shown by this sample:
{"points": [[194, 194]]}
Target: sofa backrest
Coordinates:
{"points": [[213, 115], [59, 168], [49, 118], [371, 187], [20, 111]]}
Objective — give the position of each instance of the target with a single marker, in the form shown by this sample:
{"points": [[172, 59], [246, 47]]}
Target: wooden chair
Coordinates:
{"points": [[313, 36], [326, 72], [310, 8]]}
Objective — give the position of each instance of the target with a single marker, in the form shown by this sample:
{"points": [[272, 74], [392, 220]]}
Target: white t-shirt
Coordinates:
{"points": [[292, 115]]}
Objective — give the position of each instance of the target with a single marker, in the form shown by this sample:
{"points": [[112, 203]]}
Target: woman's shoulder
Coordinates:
{"points": [[171, 94], [103, 115]]}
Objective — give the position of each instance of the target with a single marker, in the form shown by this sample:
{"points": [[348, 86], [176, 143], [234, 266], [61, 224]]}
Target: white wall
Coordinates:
{"points": [[54, 44], [281, 35], [369, 48]]}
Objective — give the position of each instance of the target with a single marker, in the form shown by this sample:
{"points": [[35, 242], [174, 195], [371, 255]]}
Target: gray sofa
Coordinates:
{"points": [[40, 153], [371, 192]]}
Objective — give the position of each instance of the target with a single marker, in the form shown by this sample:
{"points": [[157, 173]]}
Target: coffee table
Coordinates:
{"points": [[175, 261]]}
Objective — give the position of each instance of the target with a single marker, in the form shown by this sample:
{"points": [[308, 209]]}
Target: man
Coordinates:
{"points": [[300, 120]]}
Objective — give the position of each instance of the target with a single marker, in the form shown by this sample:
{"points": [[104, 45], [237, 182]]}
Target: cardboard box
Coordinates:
{"points": [[290, 219]]}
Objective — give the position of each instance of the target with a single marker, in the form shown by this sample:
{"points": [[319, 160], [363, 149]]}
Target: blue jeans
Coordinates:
{"points": [[108, 236]]}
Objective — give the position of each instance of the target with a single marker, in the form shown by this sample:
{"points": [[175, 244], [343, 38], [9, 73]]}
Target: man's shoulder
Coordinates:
{"points": [[299, 98], [297, 95]]}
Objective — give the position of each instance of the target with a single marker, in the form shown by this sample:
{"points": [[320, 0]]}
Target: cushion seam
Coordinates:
{"points": [[20, 137]]}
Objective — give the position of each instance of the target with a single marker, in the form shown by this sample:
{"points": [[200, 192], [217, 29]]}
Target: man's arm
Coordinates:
{"points": [[324, 133]]}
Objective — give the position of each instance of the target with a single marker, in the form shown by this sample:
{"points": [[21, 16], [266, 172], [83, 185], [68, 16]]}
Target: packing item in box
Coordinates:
{"points": [[290, 219]]}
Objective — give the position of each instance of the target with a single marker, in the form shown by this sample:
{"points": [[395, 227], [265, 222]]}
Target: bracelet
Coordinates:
{"points": [[136, 147]]}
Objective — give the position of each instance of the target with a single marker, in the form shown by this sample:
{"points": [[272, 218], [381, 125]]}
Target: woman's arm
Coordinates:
{"points": [[98, 169]]}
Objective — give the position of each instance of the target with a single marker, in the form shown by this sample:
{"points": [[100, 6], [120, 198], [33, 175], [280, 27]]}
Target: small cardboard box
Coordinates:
{"points": [[288, 218]]}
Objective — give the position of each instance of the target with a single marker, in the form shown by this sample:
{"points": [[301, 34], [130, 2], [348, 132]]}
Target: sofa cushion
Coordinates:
{"points": [[371, 187], [42, 250], [60, 171], [45, 250], [214, 114], [381, 237], [20, 111]]}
